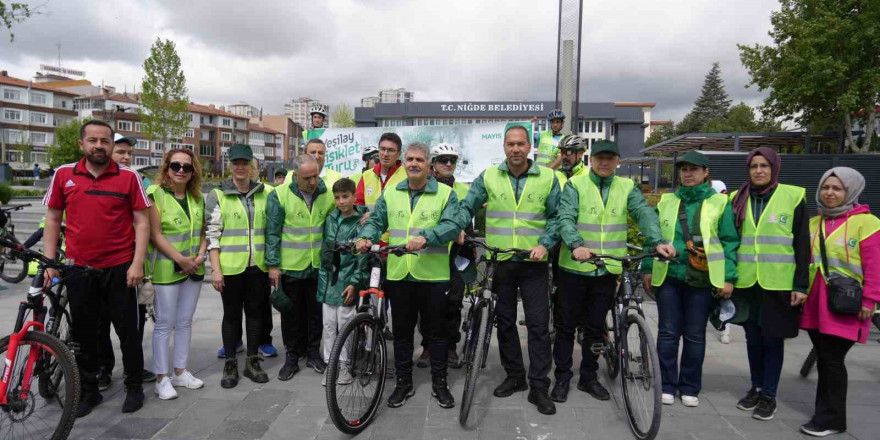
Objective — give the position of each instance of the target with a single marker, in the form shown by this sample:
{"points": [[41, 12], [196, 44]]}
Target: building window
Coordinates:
{"points": [[226, 137], [38, 157], [156, 161], [594, 129], [12, 115], [190, 133], [143, 145], [63, 104], [137, 127], [206, 150], [38, 118], [12, 156], [188, 146], [601, 126], [123, 125], [192, 117], [157, 146], [141, 161], [38, 99], [240, 138], [38, 138], [11, 95], [226, 122]]}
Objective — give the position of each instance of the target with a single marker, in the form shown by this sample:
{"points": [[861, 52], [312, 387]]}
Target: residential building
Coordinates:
{"points": [[370, 101], [298, 110], [217, 131], [244, 109], [29, 113], [263, 142], [395, 96], [290, 133]]}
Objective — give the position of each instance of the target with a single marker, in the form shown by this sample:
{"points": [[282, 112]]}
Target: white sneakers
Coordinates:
{"points": [[668, 399], [725, 335], [690, 401], [165, 390], [187, 380], [343, 379]]}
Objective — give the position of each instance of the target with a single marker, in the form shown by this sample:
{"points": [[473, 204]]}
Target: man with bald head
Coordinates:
{"points": [[295, 214]]}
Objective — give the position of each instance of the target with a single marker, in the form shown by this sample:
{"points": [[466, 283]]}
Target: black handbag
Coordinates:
{"points": [[844, 293]]}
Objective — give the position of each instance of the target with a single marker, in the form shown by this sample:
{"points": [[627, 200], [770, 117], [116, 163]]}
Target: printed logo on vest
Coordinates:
{"points": [[614, 212], [772, 219], [783, 219], [852, 242], [369, 190], [593, 210]]}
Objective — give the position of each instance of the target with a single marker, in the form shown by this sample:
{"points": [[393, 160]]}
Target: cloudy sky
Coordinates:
{"points": [[267, 52]]}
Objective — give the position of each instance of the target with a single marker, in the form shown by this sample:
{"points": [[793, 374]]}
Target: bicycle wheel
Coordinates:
{"points": [[51, 376], [28, 415], [612, 365], [474, 356], [808, 363], [12, 270], [640, 378], [353, 406]]}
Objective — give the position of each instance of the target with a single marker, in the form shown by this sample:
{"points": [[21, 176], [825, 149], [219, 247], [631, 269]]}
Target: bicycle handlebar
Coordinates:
{"points": [[29, 255], [522, 253], [349, 248], [15, 207], [597, 259]]}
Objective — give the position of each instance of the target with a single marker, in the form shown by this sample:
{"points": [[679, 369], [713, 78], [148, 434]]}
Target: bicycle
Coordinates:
{"points": [[32, 353], [479, 322], [13, 269], [634, 360], [354, 407]]}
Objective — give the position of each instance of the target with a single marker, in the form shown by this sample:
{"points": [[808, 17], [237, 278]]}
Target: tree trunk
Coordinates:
{"points": [[869, 132]]}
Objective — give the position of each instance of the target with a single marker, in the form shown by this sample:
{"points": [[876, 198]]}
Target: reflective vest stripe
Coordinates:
{"points": [[181, 230], [599, 228], [303, 229], [243, 248], [430, 264], [373, 188], [518, 231], [243, 241], [765, 258], [842, 246], [512, 223]]}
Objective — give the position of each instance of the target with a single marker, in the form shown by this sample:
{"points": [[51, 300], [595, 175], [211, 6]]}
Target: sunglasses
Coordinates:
{"points": [[442, 160], [567, 152], [177, 166]]}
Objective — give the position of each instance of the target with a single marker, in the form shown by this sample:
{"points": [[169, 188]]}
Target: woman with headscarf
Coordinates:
{"points": [[852, 245], [773, 263]]}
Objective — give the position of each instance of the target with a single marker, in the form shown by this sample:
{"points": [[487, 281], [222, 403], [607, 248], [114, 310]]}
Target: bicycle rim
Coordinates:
{"points": [[28, 415], [640, 378], [474, 360], [12, 270], [353, 406]]}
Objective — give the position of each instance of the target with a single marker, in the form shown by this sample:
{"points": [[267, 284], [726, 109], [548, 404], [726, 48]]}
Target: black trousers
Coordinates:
{"points": [[247, 292], [301, 329], [266, 319], [106, 357], [530, 280], [454, 297], [831, 391], [411, 301], [105, 295], [581, 299]]}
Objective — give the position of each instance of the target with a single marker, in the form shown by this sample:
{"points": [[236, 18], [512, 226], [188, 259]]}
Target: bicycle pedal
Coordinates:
{"points": [[522, 322], [598, 348], [74, 347]]}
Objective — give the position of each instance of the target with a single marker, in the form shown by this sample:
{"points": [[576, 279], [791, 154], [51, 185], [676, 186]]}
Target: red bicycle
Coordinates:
{"points": [[45, 409]]}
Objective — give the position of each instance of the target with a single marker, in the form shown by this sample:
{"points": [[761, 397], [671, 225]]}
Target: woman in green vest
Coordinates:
{"points": [[852, 249], [176, 265], [705, 241], [773, 262]]}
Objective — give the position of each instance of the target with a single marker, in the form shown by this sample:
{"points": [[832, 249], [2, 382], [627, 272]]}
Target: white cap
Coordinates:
{"points": [[719, 186]]}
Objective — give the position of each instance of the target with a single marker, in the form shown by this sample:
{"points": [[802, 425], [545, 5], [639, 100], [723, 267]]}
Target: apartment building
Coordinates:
{"points": [[289, 131], [298, 110], [265, 143], [244, 109]]}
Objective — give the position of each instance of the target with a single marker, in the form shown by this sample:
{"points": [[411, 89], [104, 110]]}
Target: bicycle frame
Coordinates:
{"points": [[34, 303]]}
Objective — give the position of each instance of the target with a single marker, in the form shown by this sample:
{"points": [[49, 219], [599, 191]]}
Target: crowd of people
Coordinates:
{"points": [[757, 249]]}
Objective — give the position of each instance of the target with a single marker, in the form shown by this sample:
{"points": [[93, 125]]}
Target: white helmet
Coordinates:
{"points": [[317, 109], [719, 187], [444, 150], [369, 149]]}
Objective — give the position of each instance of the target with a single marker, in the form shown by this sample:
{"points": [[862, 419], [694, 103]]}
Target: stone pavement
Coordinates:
{"points": [[297, 409]]}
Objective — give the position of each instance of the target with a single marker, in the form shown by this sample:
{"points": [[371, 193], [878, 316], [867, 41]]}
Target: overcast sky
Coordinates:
{"points": [[267, 52]]}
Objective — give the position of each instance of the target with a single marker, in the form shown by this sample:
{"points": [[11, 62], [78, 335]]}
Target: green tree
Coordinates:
{"points": [[713, 101], [342, 116], [689, 124], [15, 13], [163, 98], [823, 65], [660, 134], [66, 149]]}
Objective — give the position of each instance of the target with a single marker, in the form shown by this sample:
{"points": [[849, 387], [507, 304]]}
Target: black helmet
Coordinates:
{"points": [[556, 114]]}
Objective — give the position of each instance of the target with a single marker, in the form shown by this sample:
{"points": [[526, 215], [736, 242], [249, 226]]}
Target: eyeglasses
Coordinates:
{"points": [[443, 160], [177, 166], [567, 152]]}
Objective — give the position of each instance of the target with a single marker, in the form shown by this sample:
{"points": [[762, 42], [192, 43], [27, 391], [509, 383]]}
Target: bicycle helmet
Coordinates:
{"points": [[444, 149], [556, 114], [317, 109], [572, 142], [369, 150]]}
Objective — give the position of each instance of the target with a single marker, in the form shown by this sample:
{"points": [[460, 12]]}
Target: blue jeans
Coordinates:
{"points": [[684, 312], [765, 357]]}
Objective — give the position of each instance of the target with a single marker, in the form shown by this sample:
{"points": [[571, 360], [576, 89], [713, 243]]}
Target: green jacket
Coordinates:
{"points": [[338, 271], [477, 196], [275, 224], [727, 233], [644, 214]]}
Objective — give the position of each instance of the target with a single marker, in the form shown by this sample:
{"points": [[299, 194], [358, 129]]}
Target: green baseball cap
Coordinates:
{"points": [[604, 147], [281, 171], [240, 151], [694, 157]]}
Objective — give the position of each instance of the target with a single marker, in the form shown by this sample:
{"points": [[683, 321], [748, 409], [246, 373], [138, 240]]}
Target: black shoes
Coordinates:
{"points": [[86, 405], [387, 334], [103, 379], [440, 390], [542, 401], [424, 359], [253, 370], [560, 391], [595, 389], [290, 367], [404, 390], [317, 363], [230, 374], [766, 408], [815, 430], [148, 376], [749, 402], [134, 399], [509, 386]]}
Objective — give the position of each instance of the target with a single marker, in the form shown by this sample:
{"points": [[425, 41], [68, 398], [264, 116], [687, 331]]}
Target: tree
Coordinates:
{"points": [[741, 119], [163, 99], [713, 101], [15, 13], [824, 64], [66, 147], [342, 116], [660, 134], [689, 124]]}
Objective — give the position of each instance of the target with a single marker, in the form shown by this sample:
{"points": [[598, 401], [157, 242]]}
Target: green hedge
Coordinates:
{"points": [[28, 193]]}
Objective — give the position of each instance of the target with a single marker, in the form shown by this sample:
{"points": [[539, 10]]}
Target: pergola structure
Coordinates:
{"points": [[736, 142]]}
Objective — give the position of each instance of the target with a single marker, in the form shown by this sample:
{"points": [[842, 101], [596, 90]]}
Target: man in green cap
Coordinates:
{"points": [[593, 218]]}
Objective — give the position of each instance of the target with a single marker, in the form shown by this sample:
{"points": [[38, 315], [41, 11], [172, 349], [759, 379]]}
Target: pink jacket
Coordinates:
{"points": [[816, 315]]}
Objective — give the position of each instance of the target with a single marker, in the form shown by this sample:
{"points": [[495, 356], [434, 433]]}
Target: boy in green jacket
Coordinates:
{"points": [[341, 276]]}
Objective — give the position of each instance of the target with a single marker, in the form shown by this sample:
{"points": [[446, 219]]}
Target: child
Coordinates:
{"points": [[339, 283]]}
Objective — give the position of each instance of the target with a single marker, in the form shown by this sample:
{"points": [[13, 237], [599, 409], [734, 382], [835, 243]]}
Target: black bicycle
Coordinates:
{"points": [[13, 268], [629, 350], [354, 401], [479, 322]]}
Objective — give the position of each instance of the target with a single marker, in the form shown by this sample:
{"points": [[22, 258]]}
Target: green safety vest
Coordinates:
{"points": [[843, 246], [235, 241], [303, 230], [356, 178], [512, 224], [460, 190], [766, 251], [184, 234], [432, 263], [710, 216], [373, 188], [602, 226], [34, 265], [547, 150], [563, 179]]}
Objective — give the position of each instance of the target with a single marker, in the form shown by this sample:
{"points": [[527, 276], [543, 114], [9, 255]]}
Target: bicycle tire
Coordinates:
{"points": [[474, 360], [11, 273], [361, 328], [612, 361], [67, 364], [809, 362], [50, 379], [647, 378]]}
